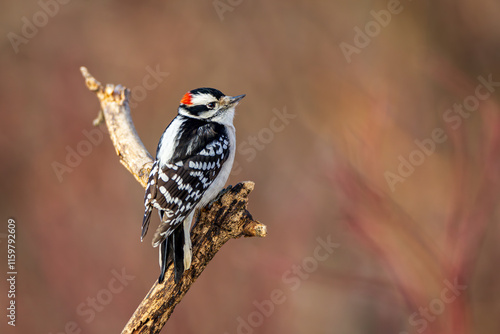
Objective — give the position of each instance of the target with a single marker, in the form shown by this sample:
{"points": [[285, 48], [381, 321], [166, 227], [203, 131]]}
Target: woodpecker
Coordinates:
{"points": [[193, 161]]}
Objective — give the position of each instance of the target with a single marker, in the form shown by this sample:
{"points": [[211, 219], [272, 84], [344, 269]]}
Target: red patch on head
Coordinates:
{"points": [[186, 99]]}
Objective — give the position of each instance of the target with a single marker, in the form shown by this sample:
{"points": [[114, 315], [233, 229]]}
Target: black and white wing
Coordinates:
{"points": [[175, 189]]}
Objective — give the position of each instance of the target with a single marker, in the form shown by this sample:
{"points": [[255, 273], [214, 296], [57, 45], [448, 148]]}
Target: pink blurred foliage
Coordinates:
{"points": [[420, 263]]}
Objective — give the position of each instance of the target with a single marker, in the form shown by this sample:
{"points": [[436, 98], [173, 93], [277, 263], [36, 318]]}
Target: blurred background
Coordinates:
{"points": [[371, 130]]}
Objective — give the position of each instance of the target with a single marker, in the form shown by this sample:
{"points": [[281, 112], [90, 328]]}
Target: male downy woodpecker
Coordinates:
{"points": [[193, 161]]}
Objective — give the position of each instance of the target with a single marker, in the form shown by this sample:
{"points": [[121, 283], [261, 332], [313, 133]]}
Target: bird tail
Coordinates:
{"points": [[176, 248]]}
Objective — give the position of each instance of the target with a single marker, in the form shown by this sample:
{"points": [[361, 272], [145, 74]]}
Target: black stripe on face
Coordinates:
{"points": [[196, 110]]}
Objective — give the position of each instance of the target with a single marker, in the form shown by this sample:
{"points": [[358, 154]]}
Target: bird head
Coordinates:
{"points": [[209, 104]]}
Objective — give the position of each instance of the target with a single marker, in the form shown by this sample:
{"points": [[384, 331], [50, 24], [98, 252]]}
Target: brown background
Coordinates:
{"points": [[321, 173]]}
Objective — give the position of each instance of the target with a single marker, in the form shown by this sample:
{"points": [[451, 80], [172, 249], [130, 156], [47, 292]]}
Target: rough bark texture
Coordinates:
{"points": [[226, 218], [115, 111]]}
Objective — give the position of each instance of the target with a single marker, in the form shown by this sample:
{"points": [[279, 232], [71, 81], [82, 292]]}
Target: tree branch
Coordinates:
{"points": [[226, 218]]}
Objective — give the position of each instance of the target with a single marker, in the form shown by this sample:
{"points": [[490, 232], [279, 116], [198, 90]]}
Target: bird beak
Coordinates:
{"points": [[233, 100]]}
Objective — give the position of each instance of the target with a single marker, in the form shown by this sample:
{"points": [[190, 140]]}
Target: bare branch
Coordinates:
{"points": [[225, 219], [116, 112]]}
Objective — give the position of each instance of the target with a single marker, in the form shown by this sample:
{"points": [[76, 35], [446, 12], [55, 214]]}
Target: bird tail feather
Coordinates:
{"points": [[173, 249]]}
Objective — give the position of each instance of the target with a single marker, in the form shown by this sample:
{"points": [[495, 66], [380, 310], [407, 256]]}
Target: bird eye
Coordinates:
{"points": [[211, 105]]}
